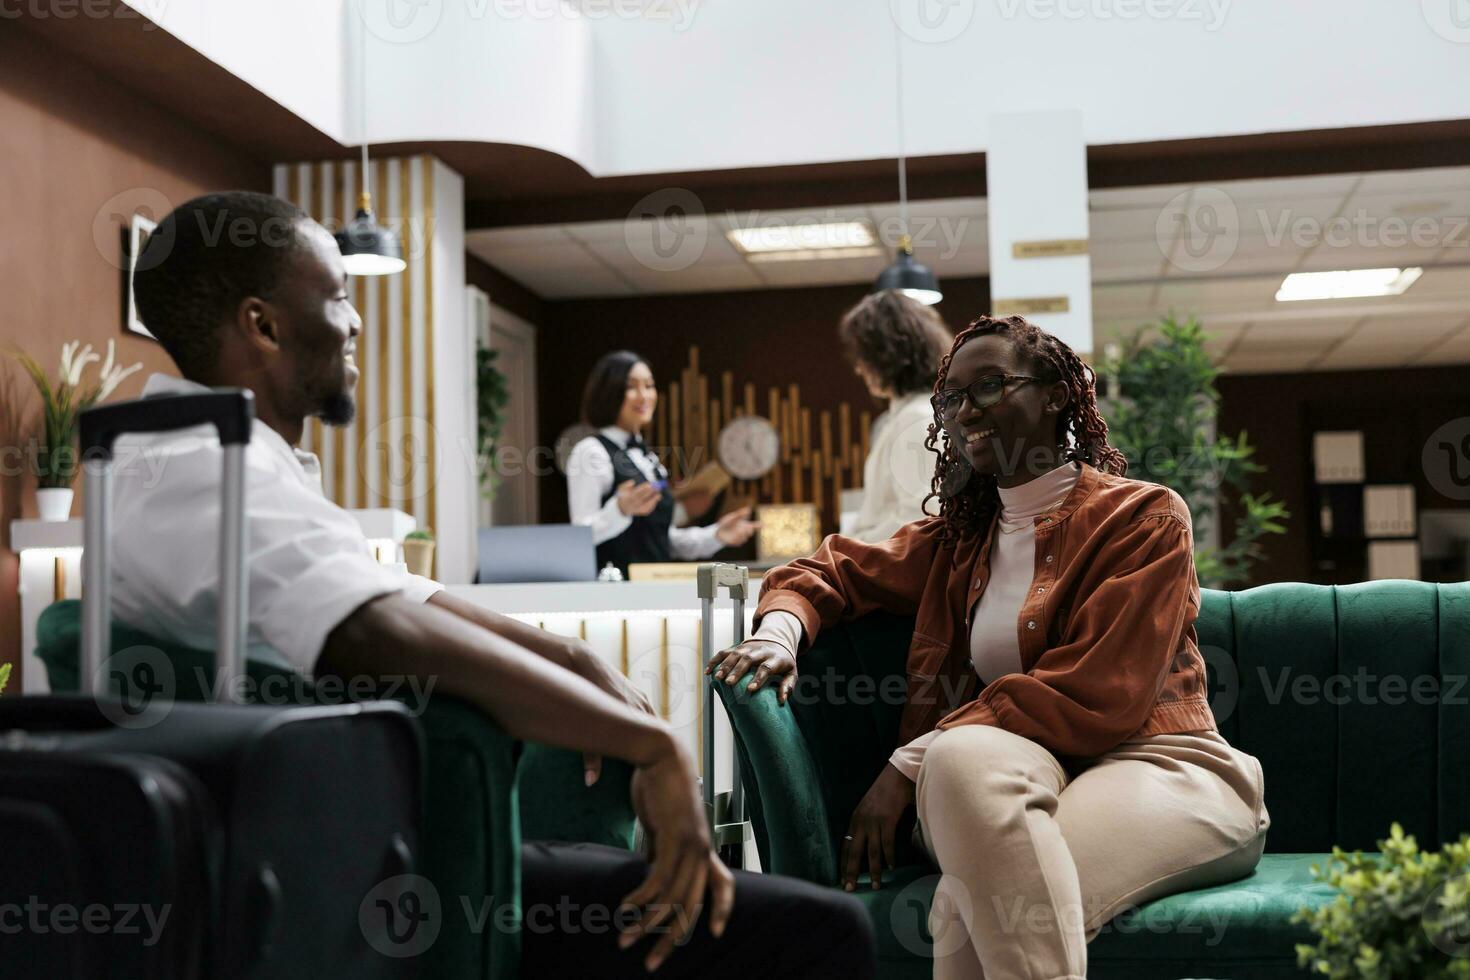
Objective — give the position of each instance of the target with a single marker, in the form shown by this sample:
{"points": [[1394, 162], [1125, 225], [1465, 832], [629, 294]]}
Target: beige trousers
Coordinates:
{"points": [[1035, 861]]}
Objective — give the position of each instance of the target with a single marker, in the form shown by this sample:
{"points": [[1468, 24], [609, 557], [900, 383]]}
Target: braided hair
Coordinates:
{"points": [[969, 500]]}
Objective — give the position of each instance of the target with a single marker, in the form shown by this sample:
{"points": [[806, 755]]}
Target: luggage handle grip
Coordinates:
{"points": [[230, 410]]}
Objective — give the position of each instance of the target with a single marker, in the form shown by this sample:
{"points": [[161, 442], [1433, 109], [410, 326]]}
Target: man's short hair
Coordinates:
{"points": [[203, 260]]}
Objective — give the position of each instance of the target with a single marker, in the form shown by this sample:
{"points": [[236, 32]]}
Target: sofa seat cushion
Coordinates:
{"points": [[1227, 930]]}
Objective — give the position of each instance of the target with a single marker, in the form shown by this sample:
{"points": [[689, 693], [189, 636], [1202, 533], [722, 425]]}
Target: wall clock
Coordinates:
{"points": [[749, 447]]}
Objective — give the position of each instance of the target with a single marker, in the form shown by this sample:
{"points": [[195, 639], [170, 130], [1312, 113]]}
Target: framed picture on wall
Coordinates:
{"points": [[138, 233]]}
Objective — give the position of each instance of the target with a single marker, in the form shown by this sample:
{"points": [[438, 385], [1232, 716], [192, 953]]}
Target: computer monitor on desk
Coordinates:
{"points": [[536, 553]]}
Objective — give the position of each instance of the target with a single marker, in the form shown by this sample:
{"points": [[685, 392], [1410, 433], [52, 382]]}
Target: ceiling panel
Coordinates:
{"points": [[1357, 359], [1126, 260], [1325, 258], [1154, 196], [1230, 295], [1274, 362], [1123, 297], [499, 239], [593, 280], [1454, 349], [1409, 332], [1415, 181], [1304, 335], [529, 260], [696, 278], [1278, 188], [822, 272], [1134, 224], [950, 207], [1442, 282], [1299, 222]]}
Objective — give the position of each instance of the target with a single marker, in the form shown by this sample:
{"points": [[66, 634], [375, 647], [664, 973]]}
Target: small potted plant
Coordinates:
{"points": [[62, 403], [418, 552], [1401, 915]]}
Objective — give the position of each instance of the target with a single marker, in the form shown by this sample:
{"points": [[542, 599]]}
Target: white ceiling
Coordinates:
{"points": [[1150, 256]]}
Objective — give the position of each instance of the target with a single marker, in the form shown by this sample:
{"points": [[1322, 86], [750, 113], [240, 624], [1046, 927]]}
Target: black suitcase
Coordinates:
{"points": [[283, 837]]}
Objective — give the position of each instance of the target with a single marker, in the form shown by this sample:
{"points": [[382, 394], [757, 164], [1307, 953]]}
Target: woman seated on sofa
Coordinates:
{"points": [[1056, 736]]}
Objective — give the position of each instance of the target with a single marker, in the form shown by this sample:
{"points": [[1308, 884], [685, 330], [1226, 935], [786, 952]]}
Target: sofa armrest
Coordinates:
{"points": [[777, 765], [557, 804]]}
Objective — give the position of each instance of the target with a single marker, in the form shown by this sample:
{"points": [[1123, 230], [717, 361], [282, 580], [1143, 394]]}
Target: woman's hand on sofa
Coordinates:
{"points": [[684, 865], [585, 662], [766, 658], [871, 831]]}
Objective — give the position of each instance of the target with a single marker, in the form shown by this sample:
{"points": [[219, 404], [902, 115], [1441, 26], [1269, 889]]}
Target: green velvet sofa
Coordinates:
{"points": [[484, 793], [1343, 759]]}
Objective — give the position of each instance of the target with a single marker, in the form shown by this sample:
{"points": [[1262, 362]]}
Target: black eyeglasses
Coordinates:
{"points": [[982, 392]]}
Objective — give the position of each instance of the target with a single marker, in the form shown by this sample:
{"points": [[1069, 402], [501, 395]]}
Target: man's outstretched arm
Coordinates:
{"points": [[535, 700]]}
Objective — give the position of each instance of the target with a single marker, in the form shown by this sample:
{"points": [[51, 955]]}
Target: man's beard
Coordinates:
{"points": [[338, 409]]}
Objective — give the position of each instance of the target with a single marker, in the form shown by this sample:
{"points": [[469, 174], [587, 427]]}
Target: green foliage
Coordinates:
{"points": [[1401, 915], [4, 676], [1161, 417], [423, 534], [56, 461], [494, 395]]}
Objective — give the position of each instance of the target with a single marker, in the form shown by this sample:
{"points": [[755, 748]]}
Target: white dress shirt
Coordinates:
{"points": [[308, 564], [590, 478], [994, 639], [898, 472]]}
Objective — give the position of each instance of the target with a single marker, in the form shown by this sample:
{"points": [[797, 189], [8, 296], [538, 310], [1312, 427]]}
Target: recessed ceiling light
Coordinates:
{"points": [[1346, 284], [813, 237], [1420, 209], [807, 254]]}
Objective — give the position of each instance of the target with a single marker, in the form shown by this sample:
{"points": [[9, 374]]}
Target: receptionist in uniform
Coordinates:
{"points": [[617, 486]]}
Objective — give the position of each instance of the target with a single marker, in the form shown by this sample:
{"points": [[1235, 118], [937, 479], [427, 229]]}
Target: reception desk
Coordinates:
{"points": [[648, 631], [51, 570]]}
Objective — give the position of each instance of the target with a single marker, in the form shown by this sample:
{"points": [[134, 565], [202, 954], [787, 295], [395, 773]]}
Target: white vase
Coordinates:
{"points": [[54, 503]]}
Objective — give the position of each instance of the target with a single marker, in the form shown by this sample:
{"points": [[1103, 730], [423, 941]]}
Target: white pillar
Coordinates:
{"points": [[457, 486], [1036, 177]]}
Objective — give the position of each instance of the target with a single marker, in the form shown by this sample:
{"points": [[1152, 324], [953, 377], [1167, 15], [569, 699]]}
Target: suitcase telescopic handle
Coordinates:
{"points": [[231, 411], [726, 815]]}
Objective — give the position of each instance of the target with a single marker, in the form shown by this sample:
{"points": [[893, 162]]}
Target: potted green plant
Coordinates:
{"points": [[4, 676], [62, 403], [418, 552], [492, 395], [1402, 914], [1161, 415]]}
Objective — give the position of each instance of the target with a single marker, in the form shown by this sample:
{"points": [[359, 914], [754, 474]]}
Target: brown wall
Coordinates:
{"points": [[767, 337], [74, 141], [1396, 409]]}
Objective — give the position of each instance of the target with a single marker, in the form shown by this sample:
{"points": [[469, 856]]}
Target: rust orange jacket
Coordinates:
{"points": [[1107, 638]]}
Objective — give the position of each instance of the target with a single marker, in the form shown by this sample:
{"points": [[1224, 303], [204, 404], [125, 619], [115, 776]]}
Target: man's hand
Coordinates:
{"points": [[766, 657], [735, 528], [586, 663], [683, 862], [870, 832]]}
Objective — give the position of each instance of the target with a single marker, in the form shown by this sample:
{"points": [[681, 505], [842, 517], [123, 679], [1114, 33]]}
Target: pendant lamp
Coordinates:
{"points": [[910, 277], [368, 249]]}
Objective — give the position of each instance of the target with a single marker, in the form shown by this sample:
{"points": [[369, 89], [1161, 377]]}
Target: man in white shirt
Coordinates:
{"points": [[245, 290]]}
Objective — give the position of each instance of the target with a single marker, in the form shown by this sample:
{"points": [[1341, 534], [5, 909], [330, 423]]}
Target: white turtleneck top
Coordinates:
{"points": [[994, 631]]}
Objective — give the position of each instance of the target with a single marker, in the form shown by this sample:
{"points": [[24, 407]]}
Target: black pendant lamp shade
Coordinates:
{"points": [[909, 277], [369, 249]]}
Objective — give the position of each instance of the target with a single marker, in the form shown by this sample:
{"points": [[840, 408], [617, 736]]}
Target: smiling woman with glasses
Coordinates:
{"points": [[983, 392], [1056, 736]]}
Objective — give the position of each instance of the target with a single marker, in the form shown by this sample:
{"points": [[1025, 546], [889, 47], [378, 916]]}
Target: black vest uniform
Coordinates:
{"points": [[647, 538]]}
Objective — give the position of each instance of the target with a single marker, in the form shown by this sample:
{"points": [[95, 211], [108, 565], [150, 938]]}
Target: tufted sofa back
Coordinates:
{"points": [[1355, 698]]}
